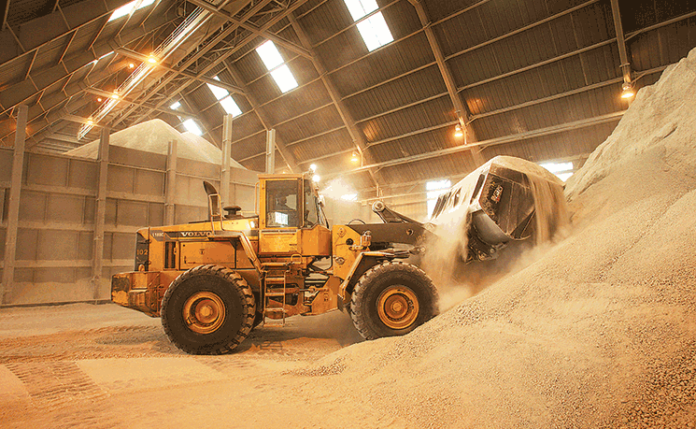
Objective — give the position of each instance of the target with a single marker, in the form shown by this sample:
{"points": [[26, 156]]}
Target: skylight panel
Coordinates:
{"points": [[218, 92], [270, 55], [360, 8], [284, 78], [128, 8], [375, 31], [558, 167], [175, 106], [192, 127], [230, 106], [122, 11]]}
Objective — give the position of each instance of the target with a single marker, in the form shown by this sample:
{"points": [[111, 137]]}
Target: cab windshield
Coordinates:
{"points": [[282, 203]]}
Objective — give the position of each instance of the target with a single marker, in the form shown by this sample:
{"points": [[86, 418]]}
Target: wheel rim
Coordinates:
{"points": [[204, 312], [397, 307]]}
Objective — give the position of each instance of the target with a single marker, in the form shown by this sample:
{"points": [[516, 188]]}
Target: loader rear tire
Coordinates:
{"points": [[208, 310], [392, 298]]}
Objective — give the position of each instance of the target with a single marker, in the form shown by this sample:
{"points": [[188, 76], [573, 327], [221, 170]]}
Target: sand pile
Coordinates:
{"points": [[154, 136], [599, 330]]}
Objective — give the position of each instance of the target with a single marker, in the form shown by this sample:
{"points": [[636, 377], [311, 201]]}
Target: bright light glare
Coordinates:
{"points": [[284, 78], [230, 106], [564, 176], [437, 185], [269, 55], [316, 178], [313, 167], [360, 8], [375, 32], [128, 8], [192, 127], [122, 11], [435, 189], [350, 197], [175, 106], [557, 167]]}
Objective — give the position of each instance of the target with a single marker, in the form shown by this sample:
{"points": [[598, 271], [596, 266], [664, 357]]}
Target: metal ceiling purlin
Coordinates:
{"points": [[58, 72], [140, 57], [496, 141], [463, 114], [69, 91], [40, 28], [358, 138], [275, 38], [107, 94], [219, 38], [263, 118], [4, 14], [620, 39], [205, 122]]}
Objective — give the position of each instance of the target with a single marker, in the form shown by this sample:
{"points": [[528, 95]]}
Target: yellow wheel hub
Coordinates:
{"points": [[397, 307], [204, 312]]}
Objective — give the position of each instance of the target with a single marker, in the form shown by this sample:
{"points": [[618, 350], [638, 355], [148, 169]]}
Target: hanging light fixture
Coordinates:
{"points": [[354, 157], [627, 91], [458, 131]]}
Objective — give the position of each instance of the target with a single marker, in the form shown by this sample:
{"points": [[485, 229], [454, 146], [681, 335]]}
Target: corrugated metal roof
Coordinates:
{"points": [[412, 88], [421, 116], [389, 61]]}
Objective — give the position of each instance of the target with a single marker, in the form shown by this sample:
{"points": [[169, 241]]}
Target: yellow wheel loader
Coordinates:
{"points": [[213, 281]]}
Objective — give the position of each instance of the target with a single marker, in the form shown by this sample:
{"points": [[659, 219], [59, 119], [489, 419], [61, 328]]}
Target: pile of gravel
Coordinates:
{"points": [[596, 331]]}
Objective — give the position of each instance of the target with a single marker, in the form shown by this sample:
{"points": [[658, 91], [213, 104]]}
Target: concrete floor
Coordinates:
{"points": [[103, 366]]}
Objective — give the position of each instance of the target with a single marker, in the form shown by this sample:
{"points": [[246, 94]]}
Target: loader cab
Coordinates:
{"points": [[290, 214]]}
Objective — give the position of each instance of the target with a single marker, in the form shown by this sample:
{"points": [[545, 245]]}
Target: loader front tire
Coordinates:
{"points": [[208, 310], [392, 298]]}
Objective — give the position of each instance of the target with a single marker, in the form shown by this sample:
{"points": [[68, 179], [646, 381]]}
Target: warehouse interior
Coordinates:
{"points": [[114, 112]]}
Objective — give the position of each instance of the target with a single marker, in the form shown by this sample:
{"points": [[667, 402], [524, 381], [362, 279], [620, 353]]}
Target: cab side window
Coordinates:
{"points": [[282, 204]]}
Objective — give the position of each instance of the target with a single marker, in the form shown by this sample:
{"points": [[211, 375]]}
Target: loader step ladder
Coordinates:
{"points": [[275, 286]]}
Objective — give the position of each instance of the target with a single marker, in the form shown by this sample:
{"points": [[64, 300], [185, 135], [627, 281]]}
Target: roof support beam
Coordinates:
{"points": [[621, 41], [106, 94], [22, 91], [227, 54], [355, 133], [208, 46], [4, 14], [250, 27], [264, 119], [206, 124], [41, 31], [143, 58], [461, 110]]}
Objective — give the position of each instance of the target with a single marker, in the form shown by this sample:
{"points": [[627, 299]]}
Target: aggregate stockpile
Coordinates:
{"points": [[600, 330], [154, 136]]}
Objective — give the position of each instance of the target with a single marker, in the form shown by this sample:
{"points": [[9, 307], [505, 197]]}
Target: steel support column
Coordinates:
{"points": [[270, 151], [463, 115], [226, 154], [355, 134], [170, 191], [263, 118], [13, 209], [98, 256], [621, 41]]}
